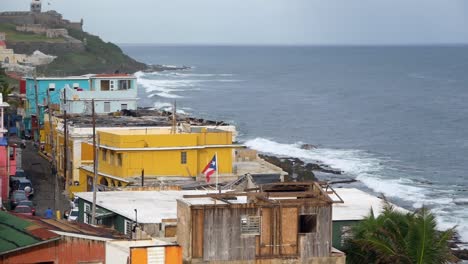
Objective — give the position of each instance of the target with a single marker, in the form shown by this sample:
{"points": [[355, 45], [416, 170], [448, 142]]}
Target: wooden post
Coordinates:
{"points": [[143, 177]]}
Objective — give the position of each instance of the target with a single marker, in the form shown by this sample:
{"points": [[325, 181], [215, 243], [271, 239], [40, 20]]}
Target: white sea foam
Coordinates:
{"points": [[168, 107], [171, 84], [369, 170]]}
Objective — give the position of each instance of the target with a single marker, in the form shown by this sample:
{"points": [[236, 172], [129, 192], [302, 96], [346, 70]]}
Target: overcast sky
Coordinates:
{"points": [[295, 22]]}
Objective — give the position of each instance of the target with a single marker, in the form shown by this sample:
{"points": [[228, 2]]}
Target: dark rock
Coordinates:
{"points": [[308, 146]]}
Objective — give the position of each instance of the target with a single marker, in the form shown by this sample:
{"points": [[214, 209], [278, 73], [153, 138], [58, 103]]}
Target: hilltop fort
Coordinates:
{"points": [[77, 51]]}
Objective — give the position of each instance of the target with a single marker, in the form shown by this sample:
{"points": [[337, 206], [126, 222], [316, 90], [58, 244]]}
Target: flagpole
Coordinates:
{"points": [[216, 155]]}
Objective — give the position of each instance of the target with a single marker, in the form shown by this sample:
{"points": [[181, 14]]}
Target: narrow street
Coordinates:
{"points": [[39, 172]]}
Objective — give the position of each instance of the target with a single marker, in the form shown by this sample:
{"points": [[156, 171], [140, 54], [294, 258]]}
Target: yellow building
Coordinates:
{"points": [[125, 154]]}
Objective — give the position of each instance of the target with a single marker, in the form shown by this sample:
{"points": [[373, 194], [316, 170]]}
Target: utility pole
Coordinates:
{"points": [[174, 119], [65, 141], [36, 132], [52, 153], [95, 166]]}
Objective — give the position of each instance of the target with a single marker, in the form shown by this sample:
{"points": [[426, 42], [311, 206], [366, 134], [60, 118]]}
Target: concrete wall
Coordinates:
{"points": [[53, 48], [55, 96], [126, 163], [79, 102]]}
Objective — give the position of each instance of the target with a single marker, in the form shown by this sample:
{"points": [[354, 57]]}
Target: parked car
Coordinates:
{"points": [[20, 173], [22, 184], [24, 210], [28, 203], [16, 197], [73, 216]]}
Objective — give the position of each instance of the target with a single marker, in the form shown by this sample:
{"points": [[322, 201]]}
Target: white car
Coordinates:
{"points": [[73, 216]]}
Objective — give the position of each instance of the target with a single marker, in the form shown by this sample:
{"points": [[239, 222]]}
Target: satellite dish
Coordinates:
{"points": [[27, 189]]}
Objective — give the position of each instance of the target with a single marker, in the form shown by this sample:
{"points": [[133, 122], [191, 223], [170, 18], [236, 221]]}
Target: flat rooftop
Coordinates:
{"points": [[153, 206], [357, 205], [138, 118], [155, 131]]}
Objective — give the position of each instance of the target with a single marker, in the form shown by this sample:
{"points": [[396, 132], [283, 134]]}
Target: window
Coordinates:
{"points": [[107, 107], [308, 223], [345, 234], [111, 160], [87, 208], [119, 159], [128, 228], [250, 225], [105, 85], [123, 106], [51, 87], [183, 157], [124, 84], [112, 85], [104, 154]]}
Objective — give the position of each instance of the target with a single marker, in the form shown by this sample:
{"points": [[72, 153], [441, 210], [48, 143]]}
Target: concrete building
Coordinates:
{"points": [[79, 151], [275, 223], [356, 206], [7, 156], [155, 215], [111, 93], [126, 154], [48, 88], [8, 56]]}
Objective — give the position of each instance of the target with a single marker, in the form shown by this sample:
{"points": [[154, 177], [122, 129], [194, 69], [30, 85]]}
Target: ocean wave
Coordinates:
{"points": [[370, 170], [181, 74], [168, 107], [168, 88], [168, 95]]}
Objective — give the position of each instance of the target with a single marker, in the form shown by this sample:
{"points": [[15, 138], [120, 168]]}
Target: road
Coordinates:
{"points": [[39, 171]]}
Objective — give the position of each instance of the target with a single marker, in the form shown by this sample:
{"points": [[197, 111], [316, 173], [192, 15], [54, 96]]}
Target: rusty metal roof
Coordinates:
{"points": [[17, 232]]}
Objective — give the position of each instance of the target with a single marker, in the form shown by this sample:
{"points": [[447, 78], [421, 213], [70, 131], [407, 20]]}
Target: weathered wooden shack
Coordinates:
{"points": [[273, 223]]}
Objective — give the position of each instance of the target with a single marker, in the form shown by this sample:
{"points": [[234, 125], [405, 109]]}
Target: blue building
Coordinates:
{"points": [[111, 93], [53, 86]]}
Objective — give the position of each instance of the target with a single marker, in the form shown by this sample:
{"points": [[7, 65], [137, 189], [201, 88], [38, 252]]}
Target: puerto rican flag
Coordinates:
{"points": [[210, 168]]}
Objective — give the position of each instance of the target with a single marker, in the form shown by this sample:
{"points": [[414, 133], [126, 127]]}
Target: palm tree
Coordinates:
{"points": [[397, 237]]}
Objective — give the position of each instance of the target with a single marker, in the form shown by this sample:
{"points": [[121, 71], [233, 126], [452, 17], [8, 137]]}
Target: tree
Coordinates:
{"points": [[397, 237]]}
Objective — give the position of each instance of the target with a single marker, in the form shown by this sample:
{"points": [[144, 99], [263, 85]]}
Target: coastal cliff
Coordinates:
{"points": [[77, 52]]}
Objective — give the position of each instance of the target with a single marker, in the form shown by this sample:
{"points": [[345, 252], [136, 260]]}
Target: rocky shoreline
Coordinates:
{"points": [[298, 169]]}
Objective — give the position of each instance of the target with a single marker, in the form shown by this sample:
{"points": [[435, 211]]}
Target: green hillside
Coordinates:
{"points": [[98, 57], [15, 36]]}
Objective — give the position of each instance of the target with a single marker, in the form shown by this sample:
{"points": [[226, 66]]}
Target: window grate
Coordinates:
{"points": [[183, 157], [250, 225]]}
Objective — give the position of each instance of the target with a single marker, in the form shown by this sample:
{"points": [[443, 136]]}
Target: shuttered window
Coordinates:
{"points": [[87, 208], [183, 157], [128, 228]]}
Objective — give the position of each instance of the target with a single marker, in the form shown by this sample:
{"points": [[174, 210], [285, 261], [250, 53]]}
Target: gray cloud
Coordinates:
{"points": [[267, 21]]}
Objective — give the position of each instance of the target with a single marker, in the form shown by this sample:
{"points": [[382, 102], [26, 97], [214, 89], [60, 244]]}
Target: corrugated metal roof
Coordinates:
{"points": [[17, 233]]}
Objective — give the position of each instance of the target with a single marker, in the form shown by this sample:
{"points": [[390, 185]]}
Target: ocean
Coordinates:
{"points": [[394, 118]]}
